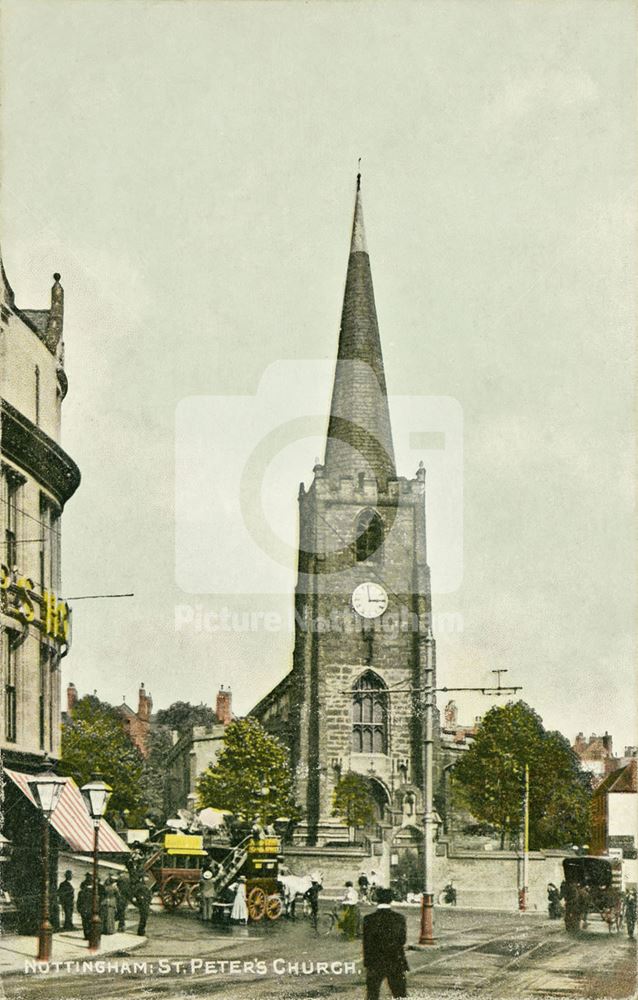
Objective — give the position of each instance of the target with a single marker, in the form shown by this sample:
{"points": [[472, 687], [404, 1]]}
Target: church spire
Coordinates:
{"points": [[359, 433]]}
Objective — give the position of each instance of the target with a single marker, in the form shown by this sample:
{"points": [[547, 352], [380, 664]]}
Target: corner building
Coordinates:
{"points": [[352, 701], [37, 479]]}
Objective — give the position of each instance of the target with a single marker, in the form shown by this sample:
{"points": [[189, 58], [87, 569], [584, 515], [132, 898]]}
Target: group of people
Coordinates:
{"points": [[113, 897], [232, 897]]}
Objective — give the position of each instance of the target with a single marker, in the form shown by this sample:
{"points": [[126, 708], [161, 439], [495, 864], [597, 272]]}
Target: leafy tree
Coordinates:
{"points": [[490, 779], [181, 715], [93, 740], [352, 801], [252, 776], [154, 771]]}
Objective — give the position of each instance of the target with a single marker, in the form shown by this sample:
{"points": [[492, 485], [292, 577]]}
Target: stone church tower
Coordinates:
{"points": [[352, 701]]}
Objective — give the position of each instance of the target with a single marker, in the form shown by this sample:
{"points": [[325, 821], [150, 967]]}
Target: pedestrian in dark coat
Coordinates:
{"points": [[85, 903], [384, 937], [123, 896], [142, 899], [312, 895], [630, 911], [66, 895]]}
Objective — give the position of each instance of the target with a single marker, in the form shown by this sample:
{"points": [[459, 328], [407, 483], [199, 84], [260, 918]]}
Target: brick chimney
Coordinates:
{"points": [[71, 697], [144, 705], [224, 705]]}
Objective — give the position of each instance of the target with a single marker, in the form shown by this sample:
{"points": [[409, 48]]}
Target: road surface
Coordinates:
{"points": [[477, 954]]}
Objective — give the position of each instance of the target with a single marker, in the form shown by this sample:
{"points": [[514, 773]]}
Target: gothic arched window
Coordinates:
{"points": [[369, 715], [369, 536]]}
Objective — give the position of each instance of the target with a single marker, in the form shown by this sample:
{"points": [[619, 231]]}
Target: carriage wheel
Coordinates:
{"points": [[256, 903], [274, 906], [193, 897], [172, 893]]}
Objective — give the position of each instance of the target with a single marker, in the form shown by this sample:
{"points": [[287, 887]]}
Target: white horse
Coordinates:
{"points": [[295, 886]]}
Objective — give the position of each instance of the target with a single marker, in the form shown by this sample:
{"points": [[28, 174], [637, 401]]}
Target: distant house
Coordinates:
{"points": [[614, 812], [136, 725], [192, 753], [596, 754]]}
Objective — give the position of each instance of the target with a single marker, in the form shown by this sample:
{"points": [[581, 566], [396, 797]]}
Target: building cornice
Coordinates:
{"points": [[37, 454]]}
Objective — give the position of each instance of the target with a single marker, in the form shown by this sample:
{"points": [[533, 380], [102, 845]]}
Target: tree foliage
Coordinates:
{"points": [[93, 740], [352, 801], [252, 776], [154, 772], [182, 715], [490, 778]]}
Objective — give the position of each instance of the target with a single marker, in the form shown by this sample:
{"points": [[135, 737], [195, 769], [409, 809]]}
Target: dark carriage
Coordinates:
{"points": [[592, 885]]}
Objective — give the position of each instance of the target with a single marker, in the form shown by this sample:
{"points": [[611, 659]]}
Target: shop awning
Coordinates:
{"points": [[71, 819]]}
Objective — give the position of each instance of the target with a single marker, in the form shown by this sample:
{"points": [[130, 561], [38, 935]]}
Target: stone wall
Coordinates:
{"points": [[483, 879], [491, 879], [337, 866]]}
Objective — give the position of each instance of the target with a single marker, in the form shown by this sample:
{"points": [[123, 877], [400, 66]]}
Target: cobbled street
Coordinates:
{"points": [[478, 953]]}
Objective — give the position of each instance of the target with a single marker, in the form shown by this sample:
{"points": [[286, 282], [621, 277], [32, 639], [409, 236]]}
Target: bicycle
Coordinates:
{"points": [[331, 921]]}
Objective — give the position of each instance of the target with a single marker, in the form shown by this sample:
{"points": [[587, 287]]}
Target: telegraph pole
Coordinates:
{"points": [[426, 935], [525, 888]]}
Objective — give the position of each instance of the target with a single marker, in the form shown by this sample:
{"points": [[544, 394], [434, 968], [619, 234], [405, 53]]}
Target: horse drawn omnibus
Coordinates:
{"points": [[257, 859], [175, 869]]}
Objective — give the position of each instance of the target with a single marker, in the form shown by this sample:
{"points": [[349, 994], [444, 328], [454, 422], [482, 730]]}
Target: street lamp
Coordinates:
{"points": [[95, 794], [46, 789]]}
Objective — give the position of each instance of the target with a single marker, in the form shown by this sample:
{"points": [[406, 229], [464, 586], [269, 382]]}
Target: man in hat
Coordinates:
{"points": [[630, 911], [384, 937], [142, 896], [66, 895], [207, 893], [85, 903], [363, 885], [312, 895], [123, 897]]}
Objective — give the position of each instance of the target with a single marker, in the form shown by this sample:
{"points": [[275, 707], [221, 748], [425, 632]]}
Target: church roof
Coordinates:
{"points": [[359, 432]]}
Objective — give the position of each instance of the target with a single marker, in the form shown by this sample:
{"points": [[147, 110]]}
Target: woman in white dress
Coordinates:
{"points": [[239, 911]]}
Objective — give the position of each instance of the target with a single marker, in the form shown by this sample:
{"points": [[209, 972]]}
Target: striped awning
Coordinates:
{"points": [[71, 819]]}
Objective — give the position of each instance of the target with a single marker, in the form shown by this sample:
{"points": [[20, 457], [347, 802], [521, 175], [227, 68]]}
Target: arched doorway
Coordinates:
{"points": [[380, 796], [406, 861]]}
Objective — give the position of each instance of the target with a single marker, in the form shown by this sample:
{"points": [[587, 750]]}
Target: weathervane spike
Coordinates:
{"points": [[359, 174]]}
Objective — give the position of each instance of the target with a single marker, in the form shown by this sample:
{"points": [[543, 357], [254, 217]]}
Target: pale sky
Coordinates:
{"points": [[189, 169]]}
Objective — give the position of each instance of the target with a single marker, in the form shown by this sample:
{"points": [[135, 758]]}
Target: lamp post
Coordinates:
{"points": [[95, 794], [46, 788]]}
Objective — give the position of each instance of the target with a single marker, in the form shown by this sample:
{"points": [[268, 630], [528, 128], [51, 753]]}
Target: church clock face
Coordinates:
{"points": [[369, 600]]}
